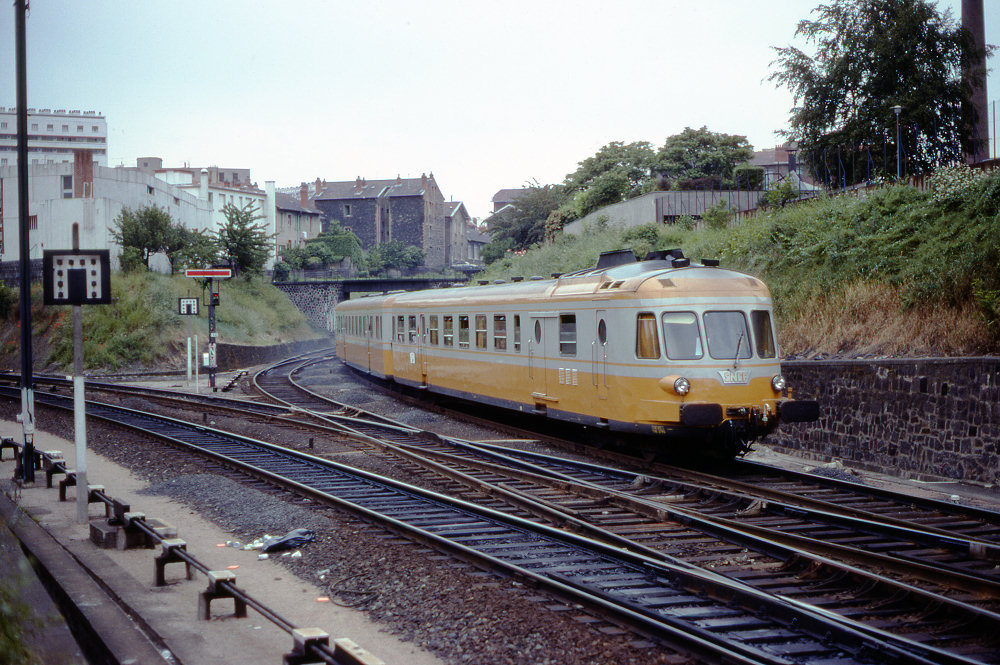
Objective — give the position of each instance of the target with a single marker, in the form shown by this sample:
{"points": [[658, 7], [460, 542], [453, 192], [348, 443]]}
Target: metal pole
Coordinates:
{"points": [[27, 392], [899, 164], [79, 406], [211, 335]]}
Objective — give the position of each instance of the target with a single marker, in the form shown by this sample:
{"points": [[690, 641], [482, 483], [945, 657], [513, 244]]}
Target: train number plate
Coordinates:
{"points": [[735, 375]]}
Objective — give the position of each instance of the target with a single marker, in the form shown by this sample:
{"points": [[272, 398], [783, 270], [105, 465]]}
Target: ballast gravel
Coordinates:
{"points": [[461, 614]]}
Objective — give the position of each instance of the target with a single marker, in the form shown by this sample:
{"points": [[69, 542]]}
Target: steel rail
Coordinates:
{"points": [[670, 601]]}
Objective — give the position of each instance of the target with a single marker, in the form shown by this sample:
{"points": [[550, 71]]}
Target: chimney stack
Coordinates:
{"points": [[304, 195], [423, 180], [358, 184]]}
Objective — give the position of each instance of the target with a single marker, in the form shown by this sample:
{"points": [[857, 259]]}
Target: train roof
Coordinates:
{"points": [[651, 278]]}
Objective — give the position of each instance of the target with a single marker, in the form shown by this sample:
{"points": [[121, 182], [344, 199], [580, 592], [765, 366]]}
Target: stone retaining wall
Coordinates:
{"points": [[315, 299], [236, 356], [920, 418]]}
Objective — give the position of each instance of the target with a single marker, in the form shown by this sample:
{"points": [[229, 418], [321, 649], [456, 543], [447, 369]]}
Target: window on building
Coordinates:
{"points": [[3, 162], [32, 222], [67, 186], [65, 128], [567, 334], [50, 128], [500, 332], [347, 210], [647, 342], [94, 128], [3, 125], [34, 126], [79, 128], [149, 189]]}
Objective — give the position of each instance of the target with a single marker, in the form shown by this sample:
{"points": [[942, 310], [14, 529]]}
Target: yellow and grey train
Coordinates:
{"points": [[682, 354]]}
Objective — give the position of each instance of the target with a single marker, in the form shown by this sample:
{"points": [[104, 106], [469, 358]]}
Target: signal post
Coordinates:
{"points": [[209, 274]]}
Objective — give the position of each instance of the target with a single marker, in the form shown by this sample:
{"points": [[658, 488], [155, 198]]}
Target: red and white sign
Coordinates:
{"points": [[221, 273]]}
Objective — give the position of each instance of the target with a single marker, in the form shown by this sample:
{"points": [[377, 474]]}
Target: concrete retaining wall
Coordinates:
{"points": [[918, 418]]}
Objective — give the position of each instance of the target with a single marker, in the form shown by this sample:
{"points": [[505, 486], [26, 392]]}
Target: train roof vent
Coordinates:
{"points": [[711, 263], [664, 254], [535, 278], [517, 279], [618, 257], [483, 282], [680, 263]]}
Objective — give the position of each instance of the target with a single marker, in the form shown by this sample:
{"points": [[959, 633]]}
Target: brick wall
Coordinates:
{"points": [[315, 300], [919, 418]]}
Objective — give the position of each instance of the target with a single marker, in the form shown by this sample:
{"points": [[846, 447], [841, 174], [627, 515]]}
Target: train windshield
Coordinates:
{"points": [[728, 336], [681, 335]]}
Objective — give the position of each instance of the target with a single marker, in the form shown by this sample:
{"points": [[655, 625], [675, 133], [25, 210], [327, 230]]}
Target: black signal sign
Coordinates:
{"points": [[76, 277]]}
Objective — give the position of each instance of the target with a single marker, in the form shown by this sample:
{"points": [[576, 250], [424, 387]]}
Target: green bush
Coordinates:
{"points": [[9, 299]]}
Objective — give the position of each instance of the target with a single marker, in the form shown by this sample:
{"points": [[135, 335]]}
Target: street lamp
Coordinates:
{"points": [[899, 165]]}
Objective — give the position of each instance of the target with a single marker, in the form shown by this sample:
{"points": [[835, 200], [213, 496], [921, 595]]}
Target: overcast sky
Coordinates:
{"points": [[486, 95]]}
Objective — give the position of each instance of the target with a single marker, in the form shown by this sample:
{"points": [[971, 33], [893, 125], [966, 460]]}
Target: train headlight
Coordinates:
{"points": [[778, 383], [682, 386]]}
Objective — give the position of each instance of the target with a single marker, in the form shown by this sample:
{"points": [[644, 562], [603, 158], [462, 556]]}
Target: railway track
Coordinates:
{"points": [[631, 512], [721, 620]]}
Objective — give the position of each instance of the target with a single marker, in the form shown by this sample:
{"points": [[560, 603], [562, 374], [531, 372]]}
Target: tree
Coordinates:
{"points": [[243, 242], [616, 172], [870, 56], [522, 224], [146, 231], [701, 154], [191, 248], [394, 254]]}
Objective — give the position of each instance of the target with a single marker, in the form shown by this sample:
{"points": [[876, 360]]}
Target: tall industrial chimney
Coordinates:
{"points": [[975, 74]]}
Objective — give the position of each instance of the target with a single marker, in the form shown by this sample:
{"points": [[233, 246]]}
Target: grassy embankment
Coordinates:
{"points": [[142, 329], [898, 272]]}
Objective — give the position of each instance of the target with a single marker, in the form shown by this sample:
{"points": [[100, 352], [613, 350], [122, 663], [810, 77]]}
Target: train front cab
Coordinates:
{"points": [[716, 374]]}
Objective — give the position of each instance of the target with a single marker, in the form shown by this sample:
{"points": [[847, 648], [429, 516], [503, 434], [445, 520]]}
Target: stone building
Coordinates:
{"points": [[410, 210]]}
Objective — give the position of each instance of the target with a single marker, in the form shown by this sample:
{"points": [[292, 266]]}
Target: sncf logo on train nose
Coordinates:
{"points": [[735, 375]]}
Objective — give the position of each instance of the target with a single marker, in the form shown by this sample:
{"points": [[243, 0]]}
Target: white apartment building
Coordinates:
{"points": [[54, 135], [80, 192]]}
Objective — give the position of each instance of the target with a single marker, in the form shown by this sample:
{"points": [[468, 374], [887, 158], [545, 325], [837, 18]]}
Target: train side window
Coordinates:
{"points": [[567, 334], [448, 331], [681, 336], [480, 331], [400, 328], [763, 334], [517, 332], [463, 331], [433, 324], [647, 342], [378, 328], [412, 329], [500, 332]]}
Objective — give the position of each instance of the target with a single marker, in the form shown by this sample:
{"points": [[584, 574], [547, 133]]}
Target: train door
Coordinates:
{"points": [[541, 338], [421, 344], [368, 339], [599, 355]]}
